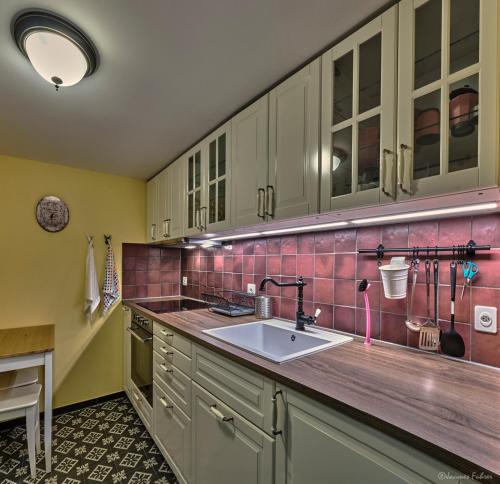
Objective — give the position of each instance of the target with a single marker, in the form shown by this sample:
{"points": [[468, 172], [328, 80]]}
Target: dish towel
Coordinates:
{"points": [[92, 297], [111, 288]]}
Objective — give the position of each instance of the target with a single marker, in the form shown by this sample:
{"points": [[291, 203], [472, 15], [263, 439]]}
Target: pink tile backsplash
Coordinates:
{"points": [[330, 265]]}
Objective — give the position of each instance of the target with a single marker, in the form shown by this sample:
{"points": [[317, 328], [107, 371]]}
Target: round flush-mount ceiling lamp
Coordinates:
{"points": [[58, 50]]}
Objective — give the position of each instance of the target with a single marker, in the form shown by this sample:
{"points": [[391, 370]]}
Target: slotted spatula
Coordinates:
{"points": [[429, 331]]}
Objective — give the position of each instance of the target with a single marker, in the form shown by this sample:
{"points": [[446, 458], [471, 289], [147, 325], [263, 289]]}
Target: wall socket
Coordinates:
{"points": [[251, 288], [485, 319], [184, 280]]}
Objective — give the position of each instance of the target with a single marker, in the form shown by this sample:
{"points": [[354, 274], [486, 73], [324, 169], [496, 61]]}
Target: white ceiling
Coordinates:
{"points": [[170, 71]]}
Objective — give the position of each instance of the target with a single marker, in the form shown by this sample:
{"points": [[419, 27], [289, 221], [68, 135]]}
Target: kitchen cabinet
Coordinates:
{"points": [[358, 117], [152, 196], [447, 102], [209, 183], [226, 447], [127, 321], [345, 450], [249, 130], [175, 199], [293, 145]]}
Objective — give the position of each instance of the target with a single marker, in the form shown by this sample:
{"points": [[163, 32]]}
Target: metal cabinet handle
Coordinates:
{"points": [[269, 201], [197, 218], [219, 414], [261, 193], [405, 169], [274, 401], [164, 333], [203, 225], [153, 232], [165, 369], [387, 186], [166, 228], [137, 397], [165, 404], [165, 351]]}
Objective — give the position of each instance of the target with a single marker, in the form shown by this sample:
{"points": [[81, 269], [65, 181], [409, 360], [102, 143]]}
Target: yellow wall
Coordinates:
{"points": [[42, 274]]}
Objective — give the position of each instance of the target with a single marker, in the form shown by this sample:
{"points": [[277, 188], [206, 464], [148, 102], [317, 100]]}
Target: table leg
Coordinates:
{"points": [[47, 440]]}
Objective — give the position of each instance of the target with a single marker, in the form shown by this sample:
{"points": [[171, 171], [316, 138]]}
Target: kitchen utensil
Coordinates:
{"points": [[410, 323], [264, 307], [470, 271], [452, 343], [463, 114], [435, 265], [427, 126], [363, 287], [429, 331], [395, 278]]}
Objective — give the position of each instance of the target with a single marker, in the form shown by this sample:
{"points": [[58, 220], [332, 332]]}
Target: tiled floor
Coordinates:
{"points": [[103, 443]]}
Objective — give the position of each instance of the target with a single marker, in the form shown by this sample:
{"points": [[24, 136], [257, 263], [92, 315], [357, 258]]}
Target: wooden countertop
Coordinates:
{"points": [[27, 340], [447, 408]]}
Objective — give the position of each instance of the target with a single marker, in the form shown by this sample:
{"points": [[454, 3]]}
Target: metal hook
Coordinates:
{"points": [[107, 239]]}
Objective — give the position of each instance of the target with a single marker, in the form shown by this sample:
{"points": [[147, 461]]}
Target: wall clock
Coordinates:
{"points": [[52, 214]]}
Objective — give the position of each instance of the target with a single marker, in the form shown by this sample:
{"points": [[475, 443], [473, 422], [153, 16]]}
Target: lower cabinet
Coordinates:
{"points": [[173, 433], [322, 446], [227, 449]]}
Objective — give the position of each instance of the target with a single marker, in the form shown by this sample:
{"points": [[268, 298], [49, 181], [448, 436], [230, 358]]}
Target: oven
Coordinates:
{"points": [[141, 355]]}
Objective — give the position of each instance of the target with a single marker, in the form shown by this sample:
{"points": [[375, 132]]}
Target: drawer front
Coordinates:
{"points": [[172, 355], [142, 407], [227, 448], [247, 392], [172, 338], [172, 431], [174, 382]]}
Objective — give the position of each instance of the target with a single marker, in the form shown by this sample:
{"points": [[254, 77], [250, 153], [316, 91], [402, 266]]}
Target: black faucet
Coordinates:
{"points": [[301, 318]]}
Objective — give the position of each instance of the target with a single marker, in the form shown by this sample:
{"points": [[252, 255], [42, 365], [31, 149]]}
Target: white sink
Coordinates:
{"points": [[277, 340]]}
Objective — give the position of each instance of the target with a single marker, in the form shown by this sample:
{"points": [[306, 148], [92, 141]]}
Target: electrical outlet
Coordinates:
{"points": [[184, 280], [251, 288], [485, 319]]}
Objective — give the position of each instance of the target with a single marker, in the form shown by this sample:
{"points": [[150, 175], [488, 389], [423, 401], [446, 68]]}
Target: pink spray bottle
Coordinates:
{"points": [[364, 285]]}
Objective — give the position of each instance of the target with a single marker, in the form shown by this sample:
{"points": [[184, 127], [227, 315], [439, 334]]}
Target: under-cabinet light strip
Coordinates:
{"points": [[305, 228]]}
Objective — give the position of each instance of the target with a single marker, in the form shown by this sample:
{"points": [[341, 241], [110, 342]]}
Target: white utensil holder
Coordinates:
{"points": [[395, 278]]}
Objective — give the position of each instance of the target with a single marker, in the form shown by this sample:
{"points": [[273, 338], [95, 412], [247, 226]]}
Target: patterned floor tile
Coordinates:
{"points": [[104, 443]]}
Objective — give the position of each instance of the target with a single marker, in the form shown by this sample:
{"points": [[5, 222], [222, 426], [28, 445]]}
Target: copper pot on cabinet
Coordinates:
{"points": [[427, 126], [463, 111]]}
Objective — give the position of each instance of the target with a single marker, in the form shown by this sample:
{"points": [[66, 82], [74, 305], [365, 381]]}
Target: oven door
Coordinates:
{"points": [[141, 361]]}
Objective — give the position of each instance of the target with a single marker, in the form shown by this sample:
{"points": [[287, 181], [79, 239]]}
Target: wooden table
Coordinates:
{"points": [[27, 347]]}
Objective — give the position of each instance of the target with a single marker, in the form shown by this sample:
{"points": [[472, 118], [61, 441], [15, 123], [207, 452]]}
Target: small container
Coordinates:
{"points": [[395, 278], [263, 307]]}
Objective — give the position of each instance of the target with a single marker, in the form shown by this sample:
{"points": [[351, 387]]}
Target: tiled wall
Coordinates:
{"points": [[150, 271], [332, 269]]}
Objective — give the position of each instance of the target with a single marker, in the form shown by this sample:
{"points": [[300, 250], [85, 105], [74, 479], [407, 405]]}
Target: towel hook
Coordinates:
{"points": [[107, 239], [90, 238]]}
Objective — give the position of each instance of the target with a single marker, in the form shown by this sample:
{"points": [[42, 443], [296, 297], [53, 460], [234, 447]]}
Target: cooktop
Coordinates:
{"points": [[172, 305]]}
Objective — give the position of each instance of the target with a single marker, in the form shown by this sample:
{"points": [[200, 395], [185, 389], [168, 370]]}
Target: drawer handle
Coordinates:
{"points": [[165, 404], [137, 397], [164, 368], [165, 351], [219, 414], [164, 333]]}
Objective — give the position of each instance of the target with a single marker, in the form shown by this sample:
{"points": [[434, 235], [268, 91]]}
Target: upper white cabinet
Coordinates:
{"points": [[358, 117], [208, 183], [153, 191], [249, 130], [292, 189], [447, 106]]}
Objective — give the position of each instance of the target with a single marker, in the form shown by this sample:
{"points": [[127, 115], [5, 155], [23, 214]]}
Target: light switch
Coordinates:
{"points": [[251, 288], [485, 319]]}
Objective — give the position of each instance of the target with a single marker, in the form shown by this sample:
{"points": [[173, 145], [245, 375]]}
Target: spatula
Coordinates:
{"points": [[429, 331], [452, 343]]}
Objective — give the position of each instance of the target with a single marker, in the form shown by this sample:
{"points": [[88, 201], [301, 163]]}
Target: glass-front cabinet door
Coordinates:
{"points": [[447, 125], [195, 191], [358, 117], [215, 208]]}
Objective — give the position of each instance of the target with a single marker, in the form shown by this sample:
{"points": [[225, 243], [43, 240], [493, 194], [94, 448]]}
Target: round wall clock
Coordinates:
{"points": [[52, 214]]}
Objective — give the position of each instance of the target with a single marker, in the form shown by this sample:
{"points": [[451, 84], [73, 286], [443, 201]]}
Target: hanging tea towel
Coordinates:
{"points": [[111, 289], [92, 297]]}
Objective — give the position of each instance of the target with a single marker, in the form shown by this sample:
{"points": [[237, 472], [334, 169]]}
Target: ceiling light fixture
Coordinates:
{"points": [[429, 213], [305, 228], [60, 52]]}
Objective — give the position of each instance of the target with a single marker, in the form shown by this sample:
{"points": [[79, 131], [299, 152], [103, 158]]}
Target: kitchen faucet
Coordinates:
{"points": [[301, 318]]}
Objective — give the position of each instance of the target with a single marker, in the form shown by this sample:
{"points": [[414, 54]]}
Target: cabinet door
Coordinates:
{"points": [[358, 117], [127, 317], [152, 210], [448, 131], [227, 451], [176, 198], [164, 205], [348, 451], [194, 190], [294, 145], [172, 431], [249, 133], [215, 212]]}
